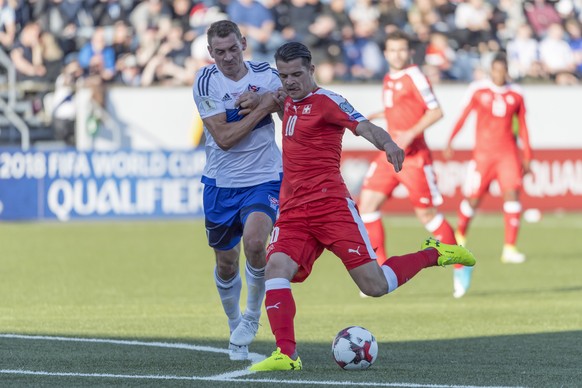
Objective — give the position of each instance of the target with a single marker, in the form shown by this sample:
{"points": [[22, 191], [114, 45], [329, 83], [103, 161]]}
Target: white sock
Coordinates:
{"points": [[391, 278], [229, 292], [256, 290]]}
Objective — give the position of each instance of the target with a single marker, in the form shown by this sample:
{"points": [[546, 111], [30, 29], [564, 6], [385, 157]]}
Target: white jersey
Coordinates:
{"points": [[255, 159]]}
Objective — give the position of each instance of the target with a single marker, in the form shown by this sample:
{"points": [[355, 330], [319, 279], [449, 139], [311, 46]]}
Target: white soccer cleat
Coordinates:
{"points": [[245, 332], [458, 289], [511, 255], [238, 353], [461, 281]]}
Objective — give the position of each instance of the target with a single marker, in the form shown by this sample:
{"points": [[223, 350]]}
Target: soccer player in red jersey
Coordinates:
{"points": [[316, 211], [495, 156], [410, 108]]}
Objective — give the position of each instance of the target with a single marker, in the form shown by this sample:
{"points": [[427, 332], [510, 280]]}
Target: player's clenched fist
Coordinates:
{"points": [[247, 102], [394, 154]]}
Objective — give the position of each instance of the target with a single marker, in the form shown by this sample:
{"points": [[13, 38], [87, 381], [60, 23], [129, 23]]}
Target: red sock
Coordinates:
{"points": [[511, 227], [281, 312], [376, 233], [407, 266], [465, 214], [441, 229], [463, 223], [512, 212]]}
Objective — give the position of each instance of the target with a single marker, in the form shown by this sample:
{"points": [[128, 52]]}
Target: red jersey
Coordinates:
{"points": [[495, 107], [313, 129], [407, 96]]}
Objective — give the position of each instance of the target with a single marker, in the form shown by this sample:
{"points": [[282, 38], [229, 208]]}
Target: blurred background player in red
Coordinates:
{"points": [[410, 108], [496, 102]]}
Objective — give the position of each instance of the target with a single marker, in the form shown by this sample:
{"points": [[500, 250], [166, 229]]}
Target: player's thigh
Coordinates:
{"points": [[420, 181], [509, 173], [335, 222], [480, 173], [380, 177], [292, 236], [257, 228], [221, 217]]}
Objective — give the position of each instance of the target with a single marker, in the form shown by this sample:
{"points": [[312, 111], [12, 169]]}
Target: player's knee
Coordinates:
{"points": [[226, 269], [280, 266], [374, 290], [254, 248]]}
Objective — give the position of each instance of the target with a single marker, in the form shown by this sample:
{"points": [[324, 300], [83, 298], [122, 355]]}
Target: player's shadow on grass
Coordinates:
{"points": [[524, 291], [498, 291], [532, 360]]}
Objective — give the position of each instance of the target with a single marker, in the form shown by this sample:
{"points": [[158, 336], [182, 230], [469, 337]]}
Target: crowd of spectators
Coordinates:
{"points": [[141, 43], [57, 45]]}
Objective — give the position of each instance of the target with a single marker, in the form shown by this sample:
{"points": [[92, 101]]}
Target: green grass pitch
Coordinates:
{"points": [[134, 304]]}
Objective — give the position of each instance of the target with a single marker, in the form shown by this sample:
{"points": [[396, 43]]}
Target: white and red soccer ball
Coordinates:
{"points": [[354, 348]]}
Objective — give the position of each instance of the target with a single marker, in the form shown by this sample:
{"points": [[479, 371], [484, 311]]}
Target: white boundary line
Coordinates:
{"points": [[218, 378], [253, 357], [225, 377]]}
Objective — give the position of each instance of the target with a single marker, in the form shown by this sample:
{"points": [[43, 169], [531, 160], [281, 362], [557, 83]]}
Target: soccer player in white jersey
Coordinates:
{"points": [[242, 175]]}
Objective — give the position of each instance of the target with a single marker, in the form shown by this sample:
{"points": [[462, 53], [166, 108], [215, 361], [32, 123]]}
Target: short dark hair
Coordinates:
{"points": [[293, 50], [500, 57], [222, 29], [398, 35]]}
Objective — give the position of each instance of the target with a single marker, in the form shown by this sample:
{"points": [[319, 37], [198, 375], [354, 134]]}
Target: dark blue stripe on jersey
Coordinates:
{"points": [[201, 80], [265, 121], [204, 80], [261, 67], [275, 72], [207, 81], [233, 116]]}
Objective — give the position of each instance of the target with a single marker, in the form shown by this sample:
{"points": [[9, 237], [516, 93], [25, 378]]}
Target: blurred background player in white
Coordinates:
{"points": [[496, 102], [410, 108], [242, 176]]}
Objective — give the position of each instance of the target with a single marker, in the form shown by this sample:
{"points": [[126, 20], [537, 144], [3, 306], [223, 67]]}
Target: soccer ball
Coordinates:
{"points": [[354, 348]]}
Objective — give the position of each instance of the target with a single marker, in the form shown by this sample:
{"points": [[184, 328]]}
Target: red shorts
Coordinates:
{"points": [[303, 232], [417, 175], [505, 168]]}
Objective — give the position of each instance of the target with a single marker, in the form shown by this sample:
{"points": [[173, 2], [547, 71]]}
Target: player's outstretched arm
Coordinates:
{"points": [[524, 138], [227, 135], [383, 141]]}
